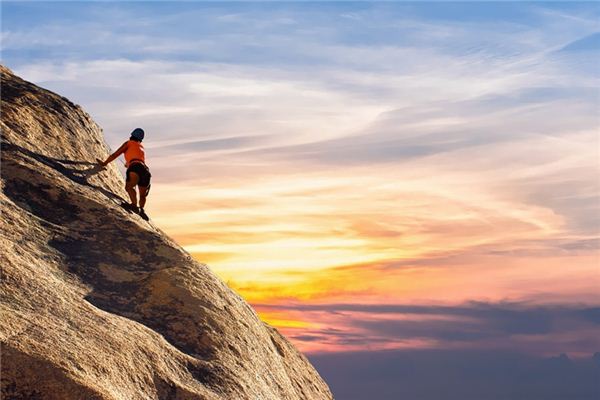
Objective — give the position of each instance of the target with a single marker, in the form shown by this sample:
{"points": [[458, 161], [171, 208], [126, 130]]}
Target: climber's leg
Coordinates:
{"points": [[132, 181]]}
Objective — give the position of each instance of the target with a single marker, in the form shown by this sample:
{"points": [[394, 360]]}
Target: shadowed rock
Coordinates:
{"points": [[99, 304]]}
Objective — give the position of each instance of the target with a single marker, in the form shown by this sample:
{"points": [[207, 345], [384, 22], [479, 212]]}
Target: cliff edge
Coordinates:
{"points": [[97, 303]]}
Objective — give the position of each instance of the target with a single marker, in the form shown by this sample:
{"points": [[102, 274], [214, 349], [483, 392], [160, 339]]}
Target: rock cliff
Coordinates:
{"points": [[97, 303]]}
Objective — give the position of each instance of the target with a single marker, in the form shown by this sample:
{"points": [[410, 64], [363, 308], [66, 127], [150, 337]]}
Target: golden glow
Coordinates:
{"points": [[282, 320], [316, 222], [416, 233]]}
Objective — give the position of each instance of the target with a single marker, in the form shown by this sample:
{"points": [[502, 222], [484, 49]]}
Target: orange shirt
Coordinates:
{"points": [[134, 151]]}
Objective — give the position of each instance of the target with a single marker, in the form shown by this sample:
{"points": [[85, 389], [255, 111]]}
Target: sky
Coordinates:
{"points": [[391, 184]]}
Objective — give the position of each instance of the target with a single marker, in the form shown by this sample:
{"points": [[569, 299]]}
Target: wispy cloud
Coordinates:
{"points": [[545, 329]]}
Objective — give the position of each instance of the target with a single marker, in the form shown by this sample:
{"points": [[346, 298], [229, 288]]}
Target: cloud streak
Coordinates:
{"points": [[529, 328]]}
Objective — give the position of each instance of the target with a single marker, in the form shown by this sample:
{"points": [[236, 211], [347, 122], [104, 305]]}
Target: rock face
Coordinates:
{"points": [[97, 303]]}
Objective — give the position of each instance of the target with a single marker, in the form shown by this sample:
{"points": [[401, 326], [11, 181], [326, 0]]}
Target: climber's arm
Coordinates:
{"points": [[114, 155]]}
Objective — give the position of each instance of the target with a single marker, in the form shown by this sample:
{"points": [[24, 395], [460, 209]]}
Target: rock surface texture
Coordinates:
{"points": [[97, 303]]}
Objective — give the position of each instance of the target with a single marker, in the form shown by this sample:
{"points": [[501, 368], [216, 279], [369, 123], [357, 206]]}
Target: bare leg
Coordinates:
{"points": [[130, 187], [143, 193]]}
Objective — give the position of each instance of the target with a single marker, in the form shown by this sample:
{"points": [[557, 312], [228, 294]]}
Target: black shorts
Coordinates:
{"points": [[142, 171]]}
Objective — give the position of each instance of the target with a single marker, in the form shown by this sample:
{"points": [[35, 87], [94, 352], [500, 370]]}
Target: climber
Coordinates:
{"points": [[137, 173]]}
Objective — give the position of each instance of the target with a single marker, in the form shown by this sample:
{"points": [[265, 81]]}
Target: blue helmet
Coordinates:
{"points": [[138, 134]]}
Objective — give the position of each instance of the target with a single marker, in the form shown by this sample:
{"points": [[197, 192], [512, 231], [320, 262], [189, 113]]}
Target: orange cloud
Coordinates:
{"points": [[390, 233]]}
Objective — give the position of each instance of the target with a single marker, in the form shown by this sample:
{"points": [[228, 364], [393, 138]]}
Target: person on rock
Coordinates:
{"points": [[137, 173]]}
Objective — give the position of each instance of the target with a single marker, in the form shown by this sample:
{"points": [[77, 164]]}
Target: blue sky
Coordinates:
{"points": [[445, 153], [363, 58]]}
